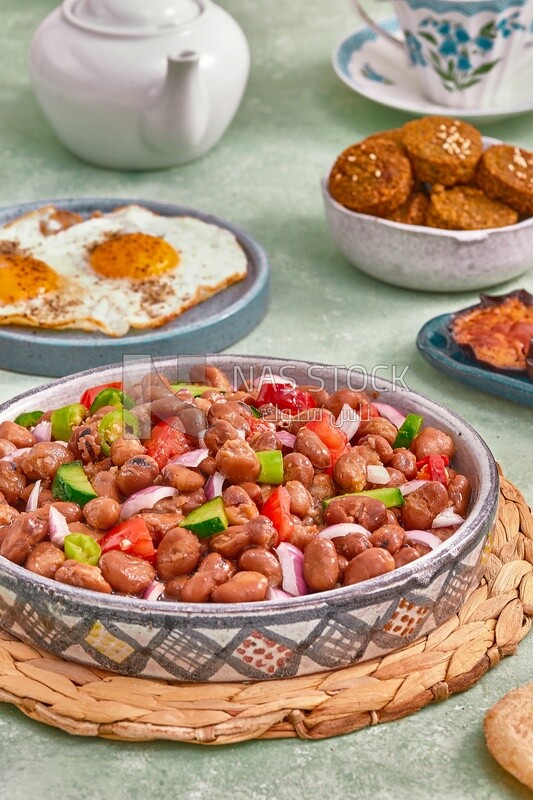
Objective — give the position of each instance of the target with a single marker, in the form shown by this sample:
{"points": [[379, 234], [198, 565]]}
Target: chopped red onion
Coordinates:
{"points": [[348, 421], [154, 591], [342, 529], [145, 499], [58, 526], [411, 486], [43, 431], [273, 593], [447, 518], [185, 395], [192, 458], [241, 434], [33, 499], [213, 487], [377, 474], [423, 537], [287, 439], [292, 563], [390, 413], [16, 454], [277, 379]]}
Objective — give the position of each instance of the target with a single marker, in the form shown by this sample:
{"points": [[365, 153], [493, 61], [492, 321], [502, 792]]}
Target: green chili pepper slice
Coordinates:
{"points": [[409, 430], [65, 418], [82, 548], [271, 466], [29, 418], [111, 397], [114, 424]]}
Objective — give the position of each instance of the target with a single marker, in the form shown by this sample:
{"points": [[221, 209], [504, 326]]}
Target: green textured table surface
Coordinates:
{"points": [[264, 176]]}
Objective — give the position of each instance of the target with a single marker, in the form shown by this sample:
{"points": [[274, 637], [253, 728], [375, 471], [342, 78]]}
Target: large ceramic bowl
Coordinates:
{"points": [[215, 642], [429, 259]]}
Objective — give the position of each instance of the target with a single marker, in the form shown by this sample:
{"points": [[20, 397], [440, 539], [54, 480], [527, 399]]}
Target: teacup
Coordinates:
{"points": [[463, 50]]}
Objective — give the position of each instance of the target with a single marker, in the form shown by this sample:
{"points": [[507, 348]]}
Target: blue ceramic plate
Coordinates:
{"points": [[436, 345], [210, 326]]}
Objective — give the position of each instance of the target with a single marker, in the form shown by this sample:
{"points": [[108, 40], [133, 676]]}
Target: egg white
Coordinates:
{"points": [[210, 260]]}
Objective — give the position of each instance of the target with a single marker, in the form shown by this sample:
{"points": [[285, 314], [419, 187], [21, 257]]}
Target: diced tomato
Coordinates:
{"points": [[89, 395], [277, 509], [433, 468], [331, 435], [166, 441], [131, 537], [428, 459], [285, 397]]}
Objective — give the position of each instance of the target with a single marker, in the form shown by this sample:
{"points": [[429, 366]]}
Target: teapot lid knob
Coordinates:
{"points": [[132, 16]]}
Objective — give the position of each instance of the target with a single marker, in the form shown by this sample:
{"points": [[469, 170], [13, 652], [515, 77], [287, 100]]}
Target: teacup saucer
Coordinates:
{"points": [[375, 68]]}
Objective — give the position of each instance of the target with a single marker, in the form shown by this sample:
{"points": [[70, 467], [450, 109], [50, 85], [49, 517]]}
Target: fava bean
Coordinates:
{"points": [[321, 565], [243, 587], [368, 564], [258, 559], [126, 573], [45, 559], [84, 576], [177, 554]]}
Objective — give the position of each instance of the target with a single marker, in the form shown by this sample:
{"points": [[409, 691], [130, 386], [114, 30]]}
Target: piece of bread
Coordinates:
{"points": [[509, 733]]}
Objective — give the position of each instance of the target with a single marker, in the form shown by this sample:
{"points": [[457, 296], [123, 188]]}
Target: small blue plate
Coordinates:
{"points": [[436, 345], [210, 326]]}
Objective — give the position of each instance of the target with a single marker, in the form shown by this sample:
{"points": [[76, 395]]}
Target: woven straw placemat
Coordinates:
{"points": [[93, 702]]}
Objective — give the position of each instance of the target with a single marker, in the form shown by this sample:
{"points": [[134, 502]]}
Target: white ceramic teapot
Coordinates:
{"points": [[139, 84]]}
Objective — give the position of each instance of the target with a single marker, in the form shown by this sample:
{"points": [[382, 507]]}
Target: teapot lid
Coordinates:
{"points": [[133, 17]]}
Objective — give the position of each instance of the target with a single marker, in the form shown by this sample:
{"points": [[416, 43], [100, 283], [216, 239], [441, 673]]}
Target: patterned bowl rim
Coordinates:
{"points": [[416, 574]]}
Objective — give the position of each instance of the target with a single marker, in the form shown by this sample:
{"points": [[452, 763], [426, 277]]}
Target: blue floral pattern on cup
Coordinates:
{"points": [[367, 71], [454, 53]]}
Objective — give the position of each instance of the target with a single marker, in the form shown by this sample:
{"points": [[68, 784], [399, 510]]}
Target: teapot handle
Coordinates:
{"points": [[358, 9]]}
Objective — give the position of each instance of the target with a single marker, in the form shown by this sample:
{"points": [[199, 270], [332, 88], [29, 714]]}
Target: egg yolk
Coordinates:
{"points": [[23, 277], [134, 255]]}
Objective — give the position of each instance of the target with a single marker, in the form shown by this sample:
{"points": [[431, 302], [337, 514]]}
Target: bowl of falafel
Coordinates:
{"points": [[433, 206]]}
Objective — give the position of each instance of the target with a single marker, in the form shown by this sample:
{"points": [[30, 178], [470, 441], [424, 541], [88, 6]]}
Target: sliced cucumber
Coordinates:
{"points": [[207, 519], [71, 484], [391, 496]]}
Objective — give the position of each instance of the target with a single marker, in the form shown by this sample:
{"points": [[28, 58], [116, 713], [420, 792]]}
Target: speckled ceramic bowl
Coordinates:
{"points": [[254, 641], [430, 259]]}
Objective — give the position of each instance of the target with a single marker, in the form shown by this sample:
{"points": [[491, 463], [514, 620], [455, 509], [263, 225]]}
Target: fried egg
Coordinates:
{"points": [[130, 268]]}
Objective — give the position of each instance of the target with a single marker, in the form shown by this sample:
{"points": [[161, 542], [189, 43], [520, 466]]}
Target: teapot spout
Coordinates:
{"points": [[175, 116]]}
